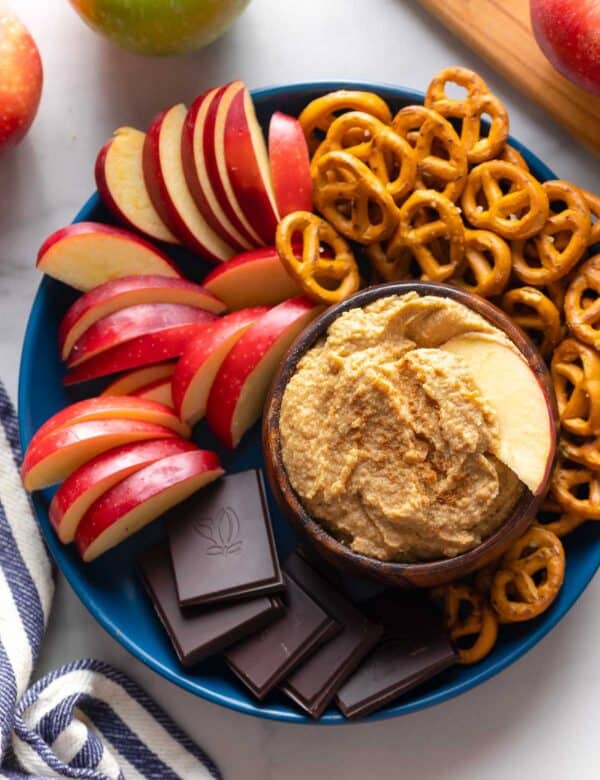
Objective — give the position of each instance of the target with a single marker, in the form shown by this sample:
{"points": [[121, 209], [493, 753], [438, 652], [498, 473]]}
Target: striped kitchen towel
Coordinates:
{"points": [[85, 719]]}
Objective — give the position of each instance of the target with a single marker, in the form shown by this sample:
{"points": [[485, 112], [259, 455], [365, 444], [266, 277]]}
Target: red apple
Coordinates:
{"points": [[138, 378], [112, 408], [198, 366], [168, 188], [120, 181], [88, 254], [20, 79], [290, 164], [199, 125], [131, 323], [130, 291], [142, 351], [242, 158], [568, 32], [59, 453], [79, 491], [239, 389], [159, 391], [141, 498], [255, 278]]}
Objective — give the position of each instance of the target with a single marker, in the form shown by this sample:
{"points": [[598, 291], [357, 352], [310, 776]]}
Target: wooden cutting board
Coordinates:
{"points": [[500, 32]]}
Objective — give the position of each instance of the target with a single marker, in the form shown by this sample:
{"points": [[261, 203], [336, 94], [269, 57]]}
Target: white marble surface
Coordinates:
{"points": [[539, 718]]}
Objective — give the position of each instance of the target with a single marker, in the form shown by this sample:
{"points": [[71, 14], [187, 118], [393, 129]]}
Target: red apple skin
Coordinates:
{"points": [[213, 144], [21, 79], [193, 158], [76, 494], [210, 245], [122, 407], [197, 356], [129, 291], [290, 164], [568, 32], [60, 452], [252, 186], [132, 381], [143, 351], [137, 489], [160, 231], [244, 358], [254, 278], [77, 241], [133, 322]]}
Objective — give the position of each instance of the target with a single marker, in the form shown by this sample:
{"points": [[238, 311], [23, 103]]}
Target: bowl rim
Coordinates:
{"points": [[477, 675], [290, 503]]}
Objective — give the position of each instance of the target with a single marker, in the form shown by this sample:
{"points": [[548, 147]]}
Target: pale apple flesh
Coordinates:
{"points": [[135, 353], [290, 164], [240, 387], [88, 254], [112, 408], [198, 366], [120, 181], [526, 423], [87, 483], [166, 182], [138, 378], [129, 291], [255, 278], [58, 454], [132, 322], [143, 497], [160, 391]]}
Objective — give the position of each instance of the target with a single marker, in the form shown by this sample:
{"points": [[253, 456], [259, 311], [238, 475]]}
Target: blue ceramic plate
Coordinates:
{"points": [[110, 589]]}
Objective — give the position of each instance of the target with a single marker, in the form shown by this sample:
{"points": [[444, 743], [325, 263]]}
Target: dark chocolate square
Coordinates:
{"points": [[413, 649], [222, 544], [199, 633], [265, 659], [314, 683]]}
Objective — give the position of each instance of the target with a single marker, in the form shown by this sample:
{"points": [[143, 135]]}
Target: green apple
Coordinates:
{"points": [[160, 26]]}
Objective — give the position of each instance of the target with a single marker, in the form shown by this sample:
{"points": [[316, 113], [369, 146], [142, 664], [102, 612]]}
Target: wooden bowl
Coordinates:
{"points": [[429, 573]]}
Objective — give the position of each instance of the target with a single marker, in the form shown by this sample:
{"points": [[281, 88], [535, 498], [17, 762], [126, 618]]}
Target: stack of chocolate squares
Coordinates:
{"points": [[217, 587]]}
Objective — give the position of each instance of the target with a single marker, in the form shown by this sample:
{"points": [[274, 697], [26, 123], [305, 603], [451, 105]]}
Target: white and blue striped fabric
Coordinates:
{"points": [[85, 719]]}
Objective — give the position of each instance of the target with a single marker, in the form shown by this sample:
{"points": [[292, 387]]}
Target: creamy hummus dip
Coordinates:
{"points": [[386, 438]]}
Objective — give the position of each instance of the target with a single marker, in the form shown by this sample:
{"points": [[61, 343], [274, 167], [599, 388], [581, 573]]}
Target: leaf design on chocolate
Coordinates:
{"points": [[222, 531]]}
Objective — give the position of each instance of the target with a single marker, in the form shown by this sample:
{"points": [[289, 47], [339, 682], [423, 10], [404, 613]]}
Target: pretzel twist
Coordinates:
{"points": [[480, 624], [552, 259], [582, 302], [575, 371], [511, 155], [352, 132], [352, 199], [488, 261], [593, 202], [314, 272], [553, 518], [520, 212], [441, 157], [576, 489], [536, 314], [516, 594]]}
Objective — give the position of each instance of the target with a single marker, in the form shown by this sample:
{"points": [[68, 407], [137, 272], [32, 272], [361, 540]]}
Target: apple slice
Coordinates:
{"points": [[87, 483], [255, 278], [199, 124], [141, 498], [59, 453], [290, 164], [242, 157], [160, 391], [198, 366], [168, 188], [525, 419], [128, 291], [142, 351], [135, 380], [87, 254], [239, 389], [132, 322], [112, 408], [120, 181]]}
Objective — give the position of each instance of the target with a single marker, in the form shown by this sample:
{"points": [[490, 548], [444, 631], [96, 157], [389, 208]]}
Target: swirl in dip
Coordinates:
{"points": [[386, 437]]}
